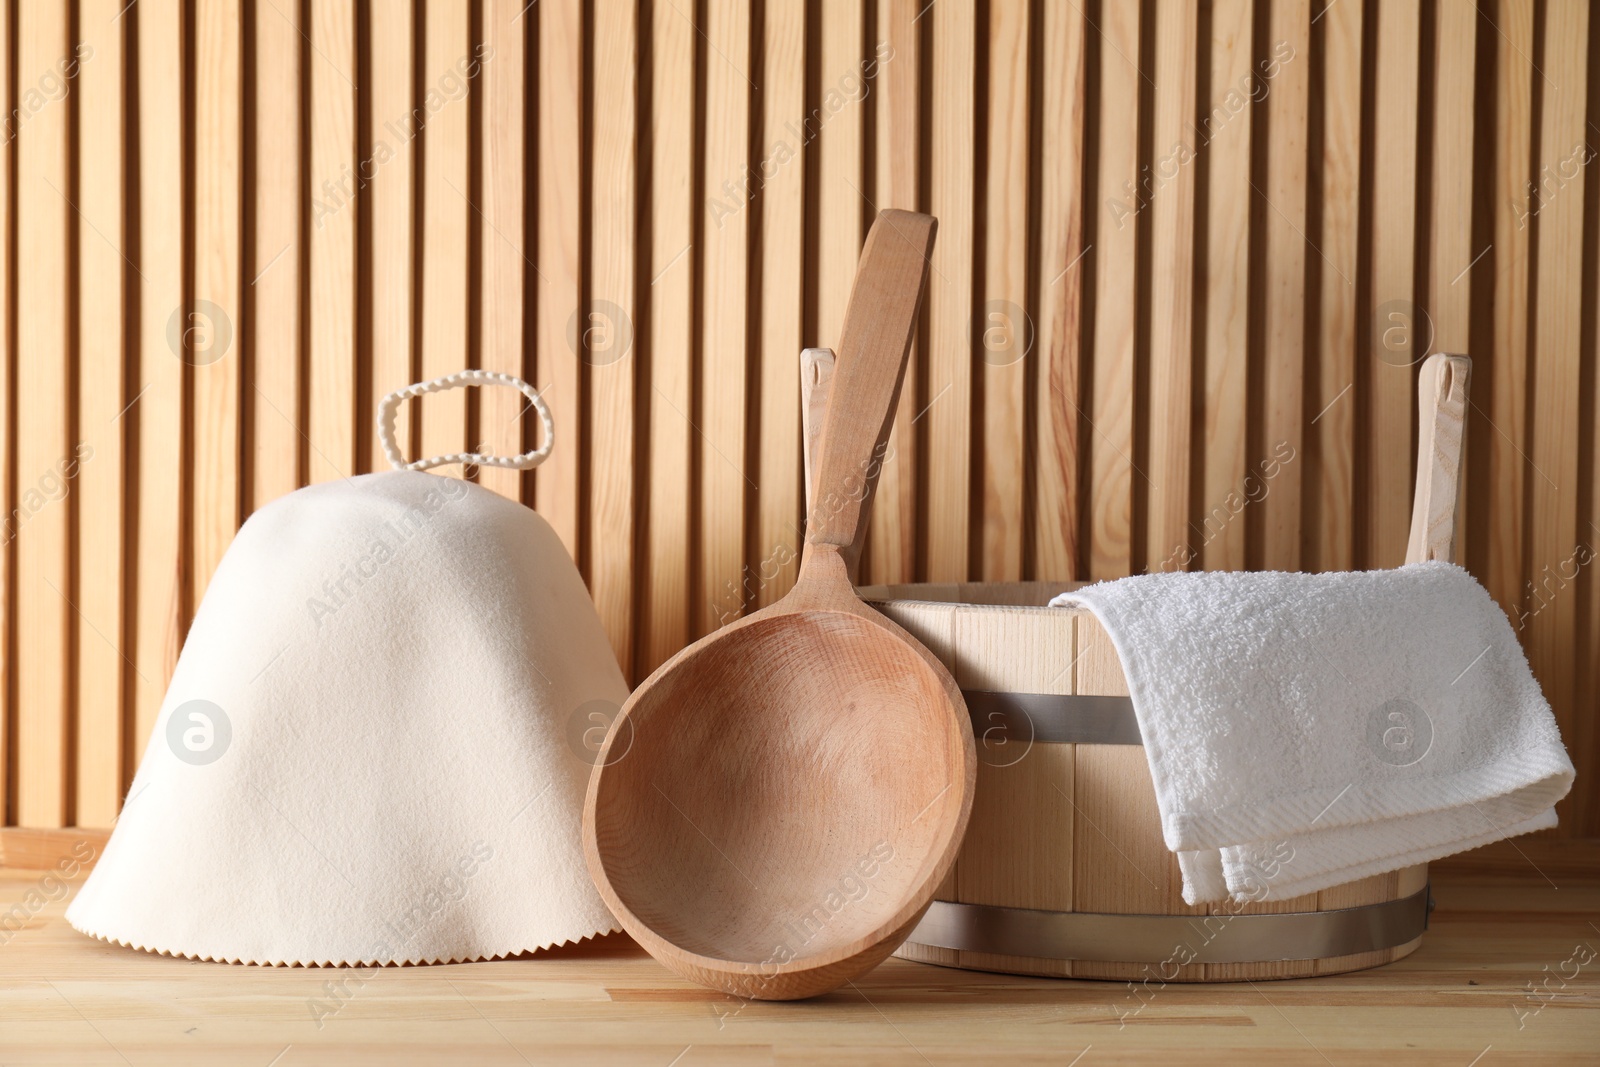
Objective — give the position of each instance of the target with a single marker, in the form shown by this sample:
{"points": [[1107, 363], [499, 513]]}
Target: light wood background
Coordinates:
{"points": [[1186, 255]]}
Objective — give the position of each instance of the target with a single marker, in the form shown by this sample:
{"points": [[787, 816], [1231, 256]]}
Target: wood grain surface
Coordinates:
{"points": [[1204, 217], [1486, 984]]}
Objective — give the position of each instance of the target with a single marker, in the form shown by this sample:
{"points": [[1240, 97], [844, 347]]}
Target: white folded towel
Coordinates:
{"points": [[1307, 730]]}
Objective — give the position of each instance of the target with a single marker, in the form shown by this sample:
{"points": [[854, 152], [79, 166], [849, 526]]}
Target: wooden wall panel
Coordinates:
{"points": [[1450, 225], [1122, 191], [391, 193], [1283, 356], [502, 65], [216, 304], [1504, 447], [724, 310], [559, 257], [160, 613], [1004, 328], [100, 631], [1227, 129], [780, 203], [1172, 209], [1204, 232], [1058, 367], [950, 303], [274, 327], [447, 99], [839, 144], [334, 194], [8, 363], [1583, 733], [895, 52], [664, 593], [45, 433], [1398, 330], [1329, 463], [613, 310], [1553, 534]]}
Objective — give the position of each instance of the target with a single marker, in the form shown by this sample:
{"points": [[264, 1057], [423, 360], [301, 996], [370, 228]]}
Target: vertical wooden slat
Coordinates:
{"points": [[1397, 329], [392, 189], [333, 241], [1332, 426], [1226, 127], [1450, 184], [1553, 491], [949, 347], [1283, 361], [779, 500], [158, 400], [1172, 286], [501, 82], [842, 201], [724, 237], [1110, 444], [446, 146], [1115, 868], [839, 146], [666, 598], [1006, 861], [214, 319], [1450, 252], [934, 628], [1006, 331], [8, 500], [560, 206], [102, 361], [1504, 447], [46, 453], [895, 52], [1583, 816], [1061, 255], [612, 310], [277, 267]]}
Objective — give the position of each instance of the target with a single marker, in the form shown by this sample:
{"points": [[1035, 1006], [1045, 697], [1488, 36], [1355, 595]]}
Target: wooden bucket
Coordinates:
{"points": [[1064, 871]]}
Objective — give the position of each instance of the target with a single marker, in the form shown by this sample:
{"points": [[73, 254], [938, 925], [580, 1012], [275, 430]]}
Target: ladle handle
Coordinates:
{"points": [[870, 364]]}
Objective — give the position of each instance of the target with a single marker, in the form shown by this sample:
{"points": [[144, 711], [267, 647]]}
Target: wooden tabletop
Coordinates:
{"points": [[1508, 920]]}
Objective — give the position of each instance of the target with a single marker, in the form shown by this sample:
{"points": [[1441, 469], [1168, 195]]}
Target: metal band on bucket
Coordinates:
{"points": [[1054, 719], [1102, 937]]}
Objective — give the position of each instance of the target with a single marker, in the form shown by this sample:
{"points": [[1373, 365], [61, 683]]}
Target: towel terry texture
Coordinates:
{"points": [[1307, 730]]}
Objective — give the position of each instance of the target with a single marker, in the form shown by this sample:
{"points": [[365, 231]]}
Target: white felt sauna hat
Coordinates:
{"points": [[373, 748]]}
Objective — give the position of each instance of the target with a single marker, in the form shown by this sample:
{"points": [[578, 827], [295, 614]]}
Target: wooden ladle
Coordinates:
{"points": [[796, 785]]}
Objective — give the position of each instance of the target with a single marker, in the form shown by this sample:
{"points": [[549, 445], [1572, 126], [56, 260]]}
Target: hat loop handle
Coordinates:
{"points": [[460, 380]]}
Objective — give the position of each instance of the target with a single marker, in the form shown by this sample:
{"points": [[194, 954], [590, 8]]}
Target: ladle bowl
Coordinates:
{"points": [[788, 792]]}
